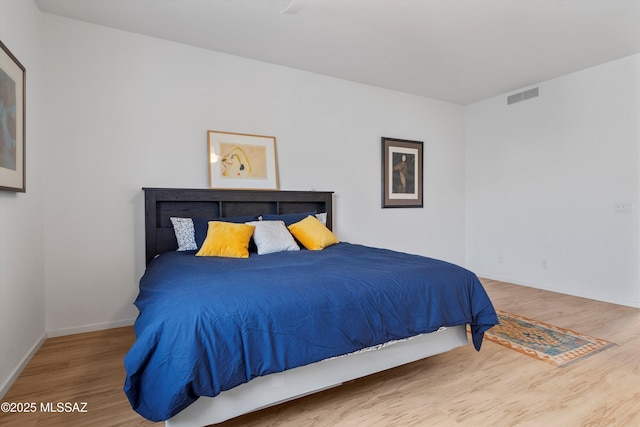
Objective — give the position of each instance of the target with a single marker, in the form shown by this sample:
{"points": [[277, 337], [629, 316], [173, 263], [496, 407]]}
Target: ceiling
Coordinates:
{"points": [[455, 51]]}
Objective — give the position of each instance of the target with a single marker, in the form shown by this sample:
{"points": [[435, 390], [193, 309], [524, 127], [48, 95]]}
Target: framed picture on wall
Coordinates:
{"points": [[402, 173], [12, 122], [242, 161]]}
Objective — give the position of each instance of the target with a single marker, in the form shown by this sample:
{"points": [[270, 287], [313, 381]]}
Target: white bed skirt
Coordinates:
{"points": [[280, 387]]}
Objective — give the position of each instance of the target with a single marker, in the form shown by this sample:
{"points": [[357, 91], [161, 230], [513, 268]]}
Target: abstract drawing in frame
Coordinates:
{"points": [[242, 161], [402, 173], [12, 122]]}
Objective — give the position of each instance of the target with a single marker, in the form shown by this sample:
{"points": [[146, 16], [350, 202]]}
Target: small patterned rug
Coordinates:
{"points": [[551, 344]]}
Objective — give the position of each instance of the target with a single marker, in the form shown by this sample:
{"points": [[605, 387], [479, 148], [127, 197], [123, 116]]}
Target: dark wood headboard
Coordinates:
{"points": [[163, 203]]}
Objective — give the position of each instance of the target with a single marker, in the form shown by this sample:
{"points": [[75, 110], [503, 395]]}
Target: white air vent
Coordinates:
{"points": [[523, 96]]}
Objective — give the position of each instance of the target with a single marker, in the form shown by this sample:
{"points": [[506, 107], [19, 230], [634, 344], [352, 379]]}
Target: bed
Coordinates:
{"points": [[220, 337]]}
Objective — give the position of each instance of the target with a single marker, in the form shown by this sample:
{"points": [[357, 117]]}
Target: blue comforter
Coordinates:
{"points": [[208, 324]]}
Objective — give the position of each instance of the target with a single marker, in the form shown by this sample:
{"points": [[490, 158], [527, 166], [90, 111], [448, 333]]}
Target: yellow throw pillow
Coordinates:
{"points": [[313, 234], [226, 239]]}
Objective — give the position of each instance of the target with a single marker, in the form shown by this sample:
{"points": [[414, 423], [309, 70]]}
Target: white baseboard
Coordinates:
{"points": [[23, 363], [567, 291], [89, 328], [58, 333]]}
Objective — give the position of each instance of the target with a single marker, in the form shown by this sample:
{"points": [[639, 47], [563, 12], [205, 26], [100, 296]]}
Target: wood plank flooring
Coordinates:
{"points": [[495, 387]]}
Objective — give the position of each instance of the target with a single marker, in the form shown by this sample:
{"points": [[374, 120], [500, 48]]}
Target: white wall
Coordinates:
{"points": [[22, 307], [543, 177], [127, 111]]}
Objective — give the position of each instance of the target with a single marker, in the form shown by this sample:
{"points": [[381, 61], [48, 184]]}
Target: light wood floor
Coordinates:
{"points": [[495, 387]]}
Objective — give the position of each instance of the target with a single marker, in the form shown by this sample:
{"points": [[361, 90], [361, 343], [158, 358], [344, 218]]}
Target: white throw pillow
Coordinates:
{"points": [[272, 236], [322, 217]]}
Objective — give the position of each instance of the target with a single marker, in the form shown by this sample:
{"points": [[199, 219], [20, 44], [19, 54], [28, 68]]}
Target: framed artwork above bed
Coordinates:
{"points": [[402, 173], [242, 161]]}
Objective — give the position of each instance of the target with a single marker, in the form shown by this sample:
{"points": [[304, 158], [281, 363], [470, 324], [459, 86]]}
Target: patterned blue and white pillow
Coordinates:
{"points": [[185, 233], [272, 236]]}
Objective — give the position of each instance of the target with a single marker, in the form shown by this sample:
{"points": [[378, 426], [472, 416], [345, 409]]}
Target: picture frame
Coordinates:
{"points": [[402, 173], [242, 161], [12, 122]]}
